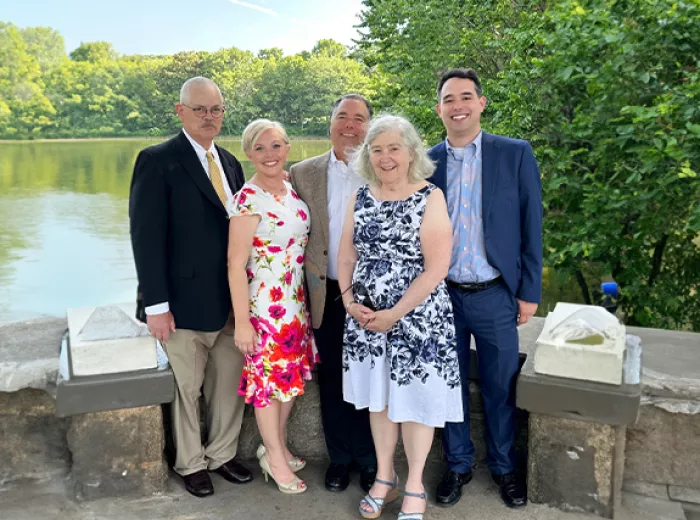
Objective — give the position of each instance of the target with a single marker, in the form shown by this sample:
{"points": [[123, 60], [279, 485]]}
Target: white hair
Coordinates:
{"points": [[256, 128], [198, 81], [421, 166]]}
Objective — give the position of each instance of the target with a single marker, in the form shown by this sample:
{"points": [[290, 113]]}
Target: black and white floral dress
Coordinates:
{"points": [[412, 369]]}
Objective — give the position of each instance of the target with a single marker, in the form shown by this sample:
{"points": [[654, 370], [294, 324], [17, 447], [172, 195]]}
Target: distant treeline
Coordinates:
{"points": [[95, 92]]}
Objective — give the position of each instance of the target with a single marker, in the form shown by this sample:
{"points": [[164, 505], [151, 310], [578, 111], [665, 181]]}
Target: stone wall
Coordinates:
{"points": [[33, 440], [663, 446]]}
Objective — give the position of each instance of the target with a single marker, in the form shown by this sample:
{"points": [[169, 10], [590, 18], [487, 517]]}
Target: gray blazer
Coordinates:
{"points": [[310, 180]]}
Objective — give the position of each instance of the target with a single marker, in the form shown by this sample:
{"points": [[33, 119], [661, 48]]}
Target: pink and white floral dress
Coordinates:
{"points": [[285, 351]]}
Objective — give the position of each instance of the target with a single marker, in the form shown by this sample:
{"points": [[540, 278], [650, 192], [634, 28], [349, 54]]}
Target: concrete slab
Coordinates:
{"points": [[576, 399], [261, 501]]}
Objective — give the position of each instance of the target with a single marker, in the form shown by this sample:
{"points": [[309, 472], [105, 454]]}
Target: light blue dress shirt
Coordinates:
{"points": [[464, 204]]}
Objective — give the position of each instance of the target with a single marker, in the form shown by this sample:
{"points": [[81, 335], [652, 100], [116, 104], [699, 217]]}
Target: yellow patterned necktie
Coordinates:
{"points": [[216, 180]]}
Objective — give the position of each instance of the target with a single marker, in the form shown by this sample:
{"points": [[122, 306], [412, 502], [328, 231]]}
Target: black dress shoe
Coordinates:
{"points": [[512, 488], [199, 484], [337, 477], [368, 475], [449, 490], [234, 471]]}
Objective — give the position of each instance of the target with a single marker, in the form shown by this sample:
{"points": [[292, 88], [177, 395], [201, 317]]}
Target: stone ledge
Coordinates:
{"points": [[646, 489], [30, 353], [684, 494], [647, 508]]}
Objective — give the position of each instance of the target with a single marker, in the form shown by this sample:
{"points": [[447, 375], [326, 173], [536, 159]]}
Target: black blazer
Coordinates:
{"points": [[179, 234]]}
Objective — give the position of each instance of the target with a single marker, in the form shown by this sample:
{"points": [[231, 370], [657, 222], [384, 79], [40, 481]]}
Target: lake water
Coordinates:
{"points": [[64, 225], [64, 222]]}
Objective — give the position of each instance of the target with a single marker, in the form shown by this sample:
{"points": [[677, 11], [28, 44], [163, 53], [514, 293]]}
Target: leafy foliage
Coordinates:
{"points": [[97, 92], [607, 92]]}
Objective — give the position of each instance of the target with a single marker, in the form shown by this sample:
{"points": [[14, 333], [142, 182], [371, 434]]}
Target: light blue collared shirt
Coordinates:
{"points": [[464, 204]]}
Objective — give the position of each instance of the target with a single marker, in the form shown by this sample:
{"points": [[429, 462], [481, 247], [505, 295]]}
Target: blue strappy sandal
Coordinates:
{"points": [[413, 516], [377, 504]]}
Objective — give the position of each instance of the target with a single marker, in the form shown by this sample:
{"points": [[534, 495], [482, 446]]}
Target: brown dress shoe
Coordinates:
{"points": [[234, 471]]}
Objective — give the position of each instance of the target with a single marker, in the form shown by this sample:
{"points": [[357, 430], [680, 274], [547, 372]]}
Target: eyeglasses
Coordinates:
{"points": [[215, 111]]}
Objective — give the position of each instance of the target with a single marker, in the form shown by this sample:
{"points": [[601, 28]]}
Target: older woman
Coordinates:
{"points": [[399, 354], [268, 233]]}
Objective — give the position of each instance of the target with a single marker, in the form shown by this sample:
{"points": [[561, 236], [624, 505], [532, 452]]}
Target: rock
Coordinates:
{"points": [[32, 438], [575, 465], [663, 448], [684, 494], [647, 508], [30, 353], [646, 489], [117, 453]]}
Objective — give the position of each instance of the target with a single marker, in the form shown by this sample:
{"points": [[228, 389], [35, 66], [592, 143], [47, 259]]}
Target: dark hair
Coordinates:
{"points": [[464, 73], [357, 97]]}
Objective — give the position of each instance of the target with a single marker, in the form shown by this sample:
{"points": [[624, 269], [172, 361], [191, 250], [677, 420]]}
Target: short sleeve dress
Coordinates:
{"points": [[285, 351]]}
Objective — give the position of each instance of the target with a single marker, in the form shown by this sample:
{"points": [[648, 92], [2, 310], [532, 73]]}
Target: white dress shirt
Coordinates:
{"points": [[160, 308], [342, 184]]}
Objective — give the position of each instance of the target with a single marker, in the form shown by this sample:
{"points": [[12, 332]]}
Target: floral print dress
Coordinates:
{"points": [[285, 351], [412, 369]]}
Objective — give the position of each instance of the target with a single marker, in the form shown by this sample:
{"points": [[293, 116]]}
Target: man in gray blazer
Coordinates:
{"points": [[326, 184]]}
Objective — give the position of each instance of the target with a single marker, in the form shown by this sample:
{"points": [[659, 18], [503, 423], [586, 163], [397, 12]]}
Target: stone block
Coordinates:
{"points": [[581, 342], [664, 448], [575, 465], [684, 494], [117, 453], [29, 354], [574, 399], [646, 489], [32, 438], [639, 507]]}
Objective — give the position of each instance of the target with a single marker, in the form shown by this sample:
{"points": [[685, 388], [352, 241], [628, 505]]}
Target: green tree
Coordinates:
{"points": [[411, 42], [94, 52], [329, 49], [46, 45], [608, 93]]}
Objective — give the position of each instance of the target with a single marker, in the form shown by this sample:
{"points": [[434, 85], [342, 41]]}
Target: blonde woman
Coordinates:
{"points": [[269, 227]]}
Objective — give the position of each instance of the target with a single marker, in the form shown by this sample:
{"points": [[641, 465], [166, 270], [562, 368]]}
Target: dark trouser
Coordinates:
{"points": [[347, 431], [491, 317]]}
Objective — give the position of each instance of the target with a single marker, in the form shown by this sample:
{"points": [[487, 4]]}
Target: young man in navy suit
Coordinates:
{"points": [[493, 191]]}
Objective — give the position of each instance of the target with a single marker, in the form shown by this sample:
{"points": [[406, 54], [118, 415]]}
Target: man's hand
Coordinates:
{"points": [[526, 310], [161, 325]]}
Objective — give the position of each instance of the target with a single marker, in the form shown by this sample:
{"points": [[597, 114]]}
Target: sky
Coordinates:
{"points": [[170, 26]]}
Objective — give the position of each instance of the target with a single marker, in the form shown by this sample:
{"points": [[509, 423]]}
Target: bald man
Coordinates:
{"points": [[179, 235]]}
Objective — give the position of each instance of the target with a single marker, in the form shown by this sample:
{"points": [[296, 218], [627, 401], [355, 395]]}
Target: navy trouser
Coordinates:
{"points": [[490, 316]]}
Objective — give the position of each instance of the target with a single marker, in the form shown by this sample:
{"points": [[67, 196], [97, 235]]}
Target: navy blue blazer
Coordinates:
{"points": [[512, 210]]}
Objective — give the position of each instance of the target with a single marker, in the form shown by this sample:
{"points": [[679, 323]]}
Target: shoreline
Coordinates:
{"points": [[144, 138]]}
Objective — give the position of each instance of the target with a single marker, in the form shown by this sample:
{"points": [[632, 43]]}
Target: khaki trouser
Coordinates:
{"points": [[210, 359]]}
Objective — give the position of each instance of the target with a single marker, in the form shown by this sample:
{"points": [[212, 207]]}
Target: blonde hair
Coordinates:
{"points": [[421, 167], [256, 128]]}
